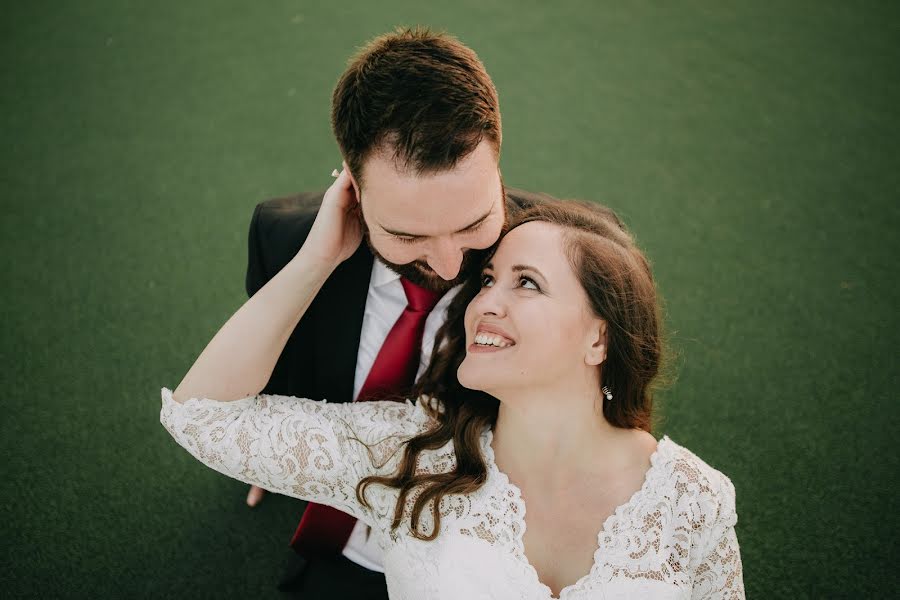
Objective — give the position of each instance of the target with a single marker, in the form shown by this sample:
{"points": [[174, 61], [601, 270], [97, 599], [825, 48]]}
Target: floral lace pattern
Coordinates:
{"points": [[674, 538]]}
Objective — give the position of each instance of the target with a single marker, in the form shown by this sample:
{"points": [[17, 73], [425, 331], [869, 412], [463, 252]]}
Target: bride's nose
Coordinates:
{"points": [[490, 300]]}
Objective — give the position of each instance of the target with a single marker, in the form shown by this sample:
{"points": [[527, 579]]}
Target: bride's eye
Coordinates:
{"points": [[485, 278], [531, 281]]}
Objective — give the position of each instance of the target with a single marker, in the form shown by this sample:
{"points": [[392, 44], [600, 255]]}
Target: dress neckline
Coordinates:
{"points": [[650, 476]]}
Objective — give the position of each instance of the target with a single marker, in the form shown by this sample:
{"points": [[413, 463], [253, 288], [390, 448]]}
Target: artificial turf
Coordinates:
{"points": [[751, 146]]}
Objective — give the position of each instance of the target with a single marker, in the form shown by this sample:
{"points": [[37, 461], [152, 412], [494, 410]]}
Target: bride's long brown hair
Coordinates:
{"points": [[617, 279]]}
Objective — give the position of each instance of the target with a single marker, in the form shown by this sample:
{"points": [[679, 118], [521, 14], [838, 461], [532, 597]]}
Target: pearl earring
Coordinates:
{"points": [[606, 391]]}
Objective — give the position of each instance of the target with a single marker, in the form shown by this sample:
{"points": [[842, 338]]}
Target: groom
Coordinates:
{"points": [[417, 120]]}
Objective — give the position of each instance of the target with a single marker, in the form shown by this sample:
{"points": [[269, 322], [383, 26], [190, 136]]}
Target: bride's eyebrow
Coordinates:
{"points": [[517, 269]]}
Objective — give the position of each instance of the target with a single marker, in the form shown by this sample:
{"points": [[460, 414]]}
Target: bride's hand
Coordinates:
{"points": [[337, 230], [255, 495]]}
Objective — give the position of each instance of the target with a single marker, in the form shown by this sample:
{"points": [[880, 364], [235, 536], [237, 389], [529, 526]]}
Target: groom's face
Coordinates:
{"points": [[429, 228]]}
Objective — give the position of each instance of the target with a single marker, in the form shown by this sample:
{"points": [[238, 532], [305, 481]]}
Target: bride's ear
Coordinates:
{"points": [[596, 353]]}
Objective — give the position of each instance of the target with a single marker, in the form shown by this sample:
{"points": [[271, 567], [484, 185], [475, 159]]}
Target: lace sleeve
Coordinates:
{"points": [[307, 449], [719, 573]]}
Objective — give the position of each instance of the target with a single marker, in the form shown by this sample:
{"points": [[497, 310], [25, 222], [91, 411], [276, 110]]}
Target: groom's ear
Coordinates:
{"points": [[352, 180], [596, 353]]}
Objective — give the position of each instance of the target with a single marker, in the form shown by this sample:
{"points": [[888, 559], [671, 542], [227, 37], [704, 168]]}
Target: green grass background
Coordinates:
{"points": [[751, 146]]}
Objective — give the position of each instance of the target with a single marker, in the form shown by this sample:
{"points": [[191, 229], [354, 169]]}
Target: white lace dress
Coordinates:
{"points": [[674, 538]]}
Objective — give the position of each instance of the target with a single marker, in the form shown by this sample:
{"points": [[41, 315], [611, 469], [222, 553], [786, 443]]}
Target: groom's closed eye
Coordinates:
{"points": [[406, 239], [410, 239], [403, 236]]}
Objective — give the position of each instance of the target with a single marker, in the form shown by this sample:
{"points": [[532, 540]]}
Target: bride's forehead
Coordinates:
{"points": [[534, 239]]}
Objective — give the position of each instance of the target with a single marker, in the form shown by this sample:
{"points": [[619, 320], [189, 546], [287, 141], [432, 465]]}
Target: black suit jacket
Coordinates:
{"points": [[319, 359]]}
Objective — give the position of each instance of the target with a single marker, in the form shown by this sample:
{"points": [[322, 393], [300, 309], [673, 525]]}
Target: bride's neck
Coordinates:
{"points": [[552, 435]]}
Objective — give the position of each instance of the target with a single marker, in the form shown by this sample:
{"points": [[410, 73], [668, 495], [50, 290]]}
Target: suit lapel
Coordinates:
{"points": [[341, 305]]}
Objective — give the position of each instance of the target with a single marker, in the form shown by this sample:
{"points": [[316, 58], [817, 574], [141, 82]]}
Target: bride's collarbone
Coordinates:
{"points": [[560, 548], [561, 535], [562, 526]]}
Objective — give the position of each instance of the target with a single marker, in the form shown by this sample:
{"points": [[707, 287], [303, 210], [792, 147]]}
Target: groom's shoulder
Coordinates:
{"points": [[518, 199], [288, 212], [278, 228]]}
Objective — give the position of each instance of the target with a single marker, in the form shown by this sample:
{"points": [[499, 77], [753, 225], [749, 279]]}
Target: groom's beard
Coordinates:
{"points": [[421, 274]]}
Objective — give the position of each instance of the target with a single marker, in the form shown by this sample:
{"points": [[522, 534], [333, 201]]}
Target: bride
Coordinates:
{"points": [[525, 467]]}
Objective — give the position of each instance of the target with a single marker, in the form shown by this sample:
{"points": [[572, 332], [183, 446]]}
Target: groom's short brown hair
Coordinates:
{"points": [[424, 97]]}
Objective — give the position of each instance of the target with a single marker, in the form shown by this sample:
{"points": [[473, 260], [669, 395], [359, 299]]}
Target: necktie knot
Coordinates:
{"points": [[420, 299]]}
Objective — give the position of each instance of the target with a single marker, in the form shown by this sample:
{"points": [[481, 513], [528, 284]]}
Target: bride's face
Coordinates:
{"points": [[530, 326]]}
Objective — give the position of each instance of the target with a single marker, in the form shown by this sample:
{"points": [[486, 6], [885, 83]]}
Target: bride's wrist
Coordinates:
{"points": [[317, 267]]}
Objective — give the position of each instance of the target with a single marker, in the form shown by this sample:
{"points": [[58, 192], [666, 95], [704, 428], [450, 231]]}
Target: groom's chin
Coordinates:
{"points": [[422, 275], [428, 279]]}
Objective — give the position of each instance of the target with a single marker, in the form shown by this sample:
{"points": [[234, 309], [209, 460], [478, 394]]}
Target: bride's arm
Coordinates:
{"points": [[303, 448], [719, 572], [239, 359], [307, 449]]}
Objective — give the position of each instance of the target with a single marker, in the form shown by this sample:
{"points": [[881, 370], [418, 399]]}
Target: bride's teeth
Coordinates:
{"points": [[484, 339]]}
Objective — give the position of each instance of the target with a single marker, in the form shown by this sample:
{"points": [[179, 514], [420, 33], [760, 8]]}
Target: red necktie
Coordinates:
{"points": [[324, 531]]}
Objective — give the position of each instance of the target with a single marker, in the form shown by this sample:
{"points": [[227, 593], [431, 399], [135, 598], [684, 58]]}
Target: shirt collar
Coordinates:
{"points": [[382, 274]]}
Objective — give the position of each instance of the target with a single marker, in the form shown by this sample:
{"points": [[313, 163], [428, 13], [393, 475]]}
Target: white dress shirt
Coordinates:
{"points": [[385, 303]]}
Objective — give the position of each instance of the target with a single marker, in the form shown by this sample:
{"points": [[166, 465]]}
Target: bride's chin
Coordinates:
{"points": [[467, 379]]}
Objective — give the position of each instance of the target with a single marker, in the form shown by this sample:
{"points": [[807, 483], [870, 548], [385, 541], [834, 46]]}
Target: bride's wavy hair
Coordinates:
{"points": [[619, 284]]}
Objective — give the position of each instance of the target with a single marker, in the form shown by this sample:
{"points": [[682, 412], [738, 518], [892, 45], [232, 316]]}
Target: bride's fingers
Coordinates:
{"points": [[343, 189], [342, 178], [255, 495]]}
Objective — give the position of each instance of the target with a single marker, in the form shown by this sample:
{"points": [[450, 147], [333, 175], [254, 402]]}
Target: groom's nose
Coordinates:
{"points": [[445, 258]]}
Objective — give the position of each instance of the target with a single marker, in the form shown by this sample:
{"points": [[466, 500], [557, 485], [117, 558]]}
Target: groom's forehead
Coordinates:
{"points": [[400, 191]]}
